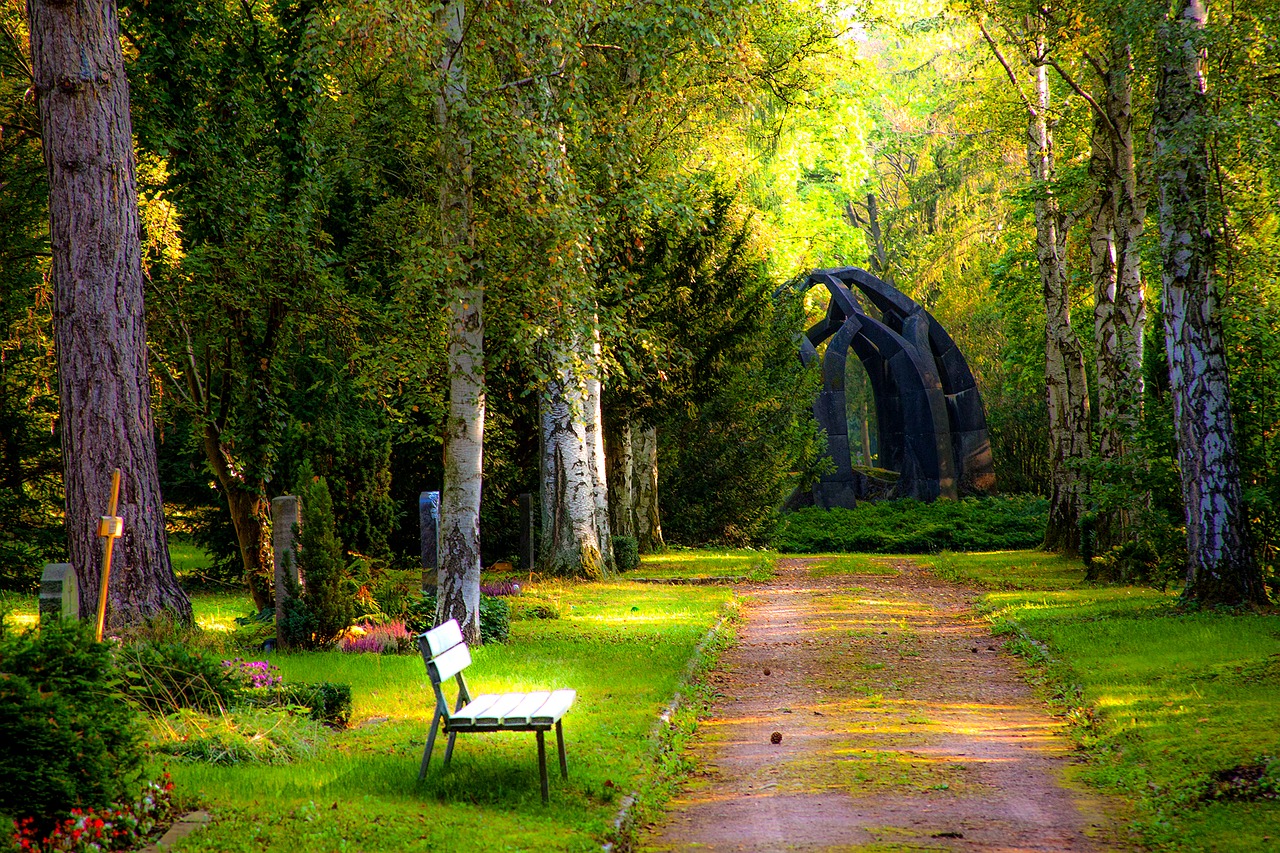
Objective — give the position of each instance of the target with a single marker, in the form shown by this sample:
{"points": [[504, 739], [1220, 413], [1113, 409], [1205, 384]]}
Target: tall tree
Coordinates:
{"points": [[464, 429], [1066, 384], [104, 384], [1222, 568]]}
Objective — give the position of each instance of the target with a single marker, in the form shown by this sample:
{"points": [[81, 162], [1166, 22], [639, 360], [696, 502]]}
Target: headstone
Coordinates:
{"points": [[429, 519], [286, 516], [527, 552], [59, 592]]}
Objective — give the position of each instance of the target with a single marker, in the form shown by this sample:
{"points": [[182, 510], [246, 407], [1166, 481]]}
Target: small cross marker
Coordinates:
{"points": [[110, 527]]}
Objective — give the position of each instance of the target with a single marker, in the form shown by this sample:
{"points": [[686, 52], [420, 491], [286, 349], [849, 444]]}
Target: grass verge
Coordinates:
{"points": [[685, 564], [1178, 712], [624, 647]]}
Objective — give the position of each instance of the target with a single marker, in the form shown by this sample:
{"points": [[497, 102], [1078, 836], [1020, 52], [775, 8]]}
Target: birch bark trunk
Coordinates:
{"points": [[648, 518], [570, 534], [595, 441], [1066, 389], [100, 329], [1222, 568], [459, 577], [1119, 300]]}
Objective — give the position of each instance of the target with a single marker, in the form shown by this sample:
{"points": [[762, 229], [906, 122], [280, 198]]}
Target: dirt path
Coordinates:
{"points": [[903, 728]]}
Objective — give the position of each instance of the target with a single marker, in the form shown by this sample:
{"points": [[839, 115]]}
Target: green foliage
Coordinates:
{"points": [[626, 553], [70, 737], [495, 617], [316, 615], [165, 676], [325, 702], [912, 527]]}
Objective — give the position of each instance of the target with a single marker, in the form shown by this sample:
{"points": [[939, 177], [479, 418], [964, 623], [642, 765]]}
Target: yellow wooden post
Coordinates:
{"points": [[110, 526]]}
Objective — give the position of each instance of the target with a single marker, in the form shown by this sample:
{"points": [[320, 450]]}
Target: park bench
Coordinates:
{"points": [[446, 656]]}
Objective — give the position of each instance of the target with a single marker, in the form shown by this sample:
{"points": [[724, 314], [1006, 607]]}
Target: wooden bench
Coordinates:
{"points": [[446, 656]]}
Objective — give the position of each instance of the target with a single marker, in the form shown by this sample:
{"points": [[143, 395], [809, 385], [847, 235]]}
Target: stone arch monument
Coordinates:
{"points": [[931, 422]]}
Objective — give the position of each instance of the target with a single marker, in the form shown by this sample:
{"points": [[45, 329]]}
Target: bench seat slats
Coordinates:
{"points": [[478, 705], [499, 710], [554, 708], [519, 715], [451, 662], [444, 637]]}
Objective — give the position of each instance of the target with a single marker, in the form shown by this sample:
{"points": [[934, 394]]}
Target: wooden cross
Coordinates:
{"points": [[110, 527]]}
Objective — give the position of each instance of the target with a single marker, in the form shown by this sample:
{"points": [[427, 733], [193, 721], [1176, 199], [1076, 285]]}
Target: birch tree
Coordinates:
{"points": [[104, 384], [459, 596], [1066, 385], [1222, 568]]}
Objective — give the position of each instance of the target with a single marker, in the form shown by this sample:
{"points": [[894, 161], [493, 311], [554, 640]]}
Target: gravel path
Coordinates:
{"points": [[903, 727]]}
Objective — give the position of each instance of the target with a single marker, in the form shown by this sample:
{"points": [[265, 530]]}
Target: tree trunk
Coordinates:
{"points": [[648, 520], [1066, 389], [570, 534], [1119, 301], [595, 440], [621, 486], [459, 578], [104, 383], [1222, 568]]}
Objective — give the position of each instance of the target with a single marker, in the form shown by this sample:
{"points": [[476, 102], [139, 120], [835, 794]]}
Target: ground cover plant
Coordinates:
{"points": [[623, 646], [1178, 711], [912, 527], [678, 563]]}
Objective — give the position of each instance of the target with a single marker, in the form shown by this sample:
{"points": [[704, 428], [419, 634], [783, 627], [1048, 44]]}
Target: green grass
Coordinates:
{"points": [[624, 648], [685, 563], [187, 558], [852, 564], [1160, 699]]}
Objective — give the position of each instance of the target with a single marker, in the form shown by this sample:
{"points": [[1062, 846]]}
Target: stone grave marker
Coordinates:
{"points": [[286, 517], [527, 551], [59, 592], [429, 519]]}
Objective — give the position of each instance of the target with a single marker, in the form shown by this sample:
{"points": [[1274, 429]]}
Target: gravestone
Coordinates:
{"points": [[527, 552], [429, 520], [59, 592], [286, 517]]}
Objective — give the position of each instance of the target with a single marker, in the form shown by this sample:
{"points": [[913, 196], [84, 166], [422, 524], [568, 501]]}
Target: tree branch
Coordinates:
{"points": [[1008, 69], [1089, 99]]}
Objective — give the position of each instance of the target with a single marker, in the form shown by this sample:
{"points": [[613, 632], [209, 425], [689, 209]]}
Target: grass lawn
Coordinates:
{"points": [[688, 563], [623, 646], [1161, 700]]}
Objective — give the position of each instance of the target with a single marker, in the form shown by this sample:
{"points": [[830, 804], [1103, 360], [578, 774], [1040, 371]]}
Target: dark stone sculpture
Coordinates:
{"points": [[932, 426]]}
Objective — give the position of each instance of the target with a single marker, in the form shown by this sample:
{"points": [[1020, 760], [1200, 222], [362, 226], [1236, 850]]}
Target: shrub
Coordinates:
{"points": [[626, 553], [325, 701], [71, 739], [317, 615], [912, 527], [495, 617], [253, 673], [163, 677]]}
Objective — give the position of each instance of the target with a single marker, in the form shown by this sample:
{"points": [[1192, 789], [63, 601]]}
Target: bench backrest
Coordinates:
{"points": [[446, 655]]}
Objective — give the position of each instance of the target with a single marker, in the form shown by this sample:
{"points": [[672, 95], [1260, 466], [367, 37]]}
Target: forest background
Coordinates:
{"points": [[651, 175]]}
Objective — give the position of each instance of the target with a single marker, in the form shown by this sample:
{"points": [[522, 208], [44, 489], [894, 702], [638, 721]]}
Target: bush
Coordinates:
{"points": [[390, 638], [71, 738], [325, 701], [495, 617], [626, 553], [163, 677], [912, 527], [317, 615]]}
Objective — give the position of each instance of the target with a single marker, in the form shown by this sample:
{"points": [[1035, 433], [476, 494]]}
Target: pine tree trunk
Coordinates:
{"points": [[621, 488], [1066, 388], [595, 439], [570, 534], [648, 520], [1222, 567], [459, 578], [100, 328]]}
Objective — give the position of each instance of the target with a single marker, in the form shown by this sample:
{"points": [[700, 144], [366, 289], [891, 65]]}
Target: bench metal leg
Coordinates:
{"points": [[542, 766], [448, 750], [564, 764], [431, 742]]}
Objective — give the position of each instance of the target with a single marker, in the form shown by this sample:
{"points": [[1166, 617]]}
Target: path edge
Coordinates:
{"points": [[622, 838]]}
